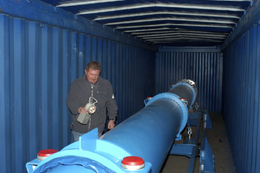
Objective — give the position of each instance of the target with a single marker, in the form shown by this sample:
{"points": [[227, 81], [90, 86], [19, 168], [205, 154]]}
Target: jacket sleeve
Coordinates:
{"points": [[111, 105], [73, 99]]}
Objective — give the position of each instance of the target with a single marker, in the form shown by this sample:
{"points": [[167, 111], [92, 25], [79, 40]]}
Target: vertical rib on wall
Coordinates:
{"points": [[37, 65], [204, 68], [241, 100]]}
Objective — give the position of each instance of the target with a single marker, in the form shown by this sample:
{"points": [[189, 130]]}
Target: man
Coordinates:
{"points": [[91, 85]]}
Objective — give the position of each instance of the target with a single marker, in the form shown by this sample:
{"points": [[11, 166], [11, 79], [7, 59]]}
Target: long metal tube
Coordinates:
{"points": [[186, 89], [148, 134]]}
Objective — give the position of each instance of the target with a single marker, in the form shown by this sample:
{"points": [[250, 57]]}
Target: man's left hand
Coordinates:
{"points": [[111, 124]]}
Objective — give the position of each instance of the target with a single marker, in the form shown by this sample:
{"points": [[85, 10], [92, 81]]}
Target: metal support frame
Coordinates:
{"points": [[191, 148], [207, 161]]}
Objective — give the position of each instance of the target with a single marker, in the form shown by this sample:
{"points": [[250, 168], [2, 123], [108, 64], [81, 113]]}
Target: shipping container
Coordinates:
{"points": [[144, 47]]}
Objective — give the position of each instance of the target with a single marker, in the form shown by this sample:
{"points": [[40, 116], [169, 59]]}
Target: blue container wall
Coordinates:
{"points": [[241, 100], [204, 68], [37, 65]]}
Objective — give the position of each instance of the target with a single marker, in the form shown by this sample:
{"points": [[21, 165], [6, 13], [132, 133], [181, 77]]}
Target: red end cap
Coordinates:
{"points": [[133, 161], [47, 152]]}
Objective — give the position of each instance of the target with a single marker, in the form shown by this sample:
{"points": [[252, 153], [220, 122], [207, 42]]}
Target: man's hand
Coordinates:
{"points": [[111, 124], [82, 110]]}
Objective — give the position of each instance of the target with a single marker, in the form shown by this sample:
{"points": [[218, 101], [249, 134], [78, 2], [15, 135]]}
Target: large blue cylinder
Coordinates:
{"points": [[186, 89], [149, 134]]}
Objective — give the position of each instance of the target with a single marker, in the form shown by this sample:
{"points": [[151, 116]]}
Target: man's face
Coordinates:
{"points": [[92, 75]]}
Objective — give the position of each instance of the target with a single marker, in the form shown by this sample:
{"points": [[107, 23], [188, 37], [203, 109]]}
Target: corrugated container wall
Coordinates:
{"points": [[241, 106], [202, 65], [37, 65]]}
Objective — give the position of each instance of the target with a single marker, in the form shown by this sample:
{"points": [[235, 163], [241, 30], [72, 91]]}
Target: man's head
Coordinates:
{"points": [[92, 71]]}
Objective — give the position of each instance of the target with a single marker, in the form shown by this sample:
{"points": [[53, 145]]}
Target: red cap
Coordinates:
{"points": [[47, 152], [133, 161]]}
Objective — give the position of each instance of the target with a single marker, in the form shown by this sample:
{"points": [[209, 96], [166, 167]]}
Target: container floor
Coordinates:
{"points": [[218, 141]]}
